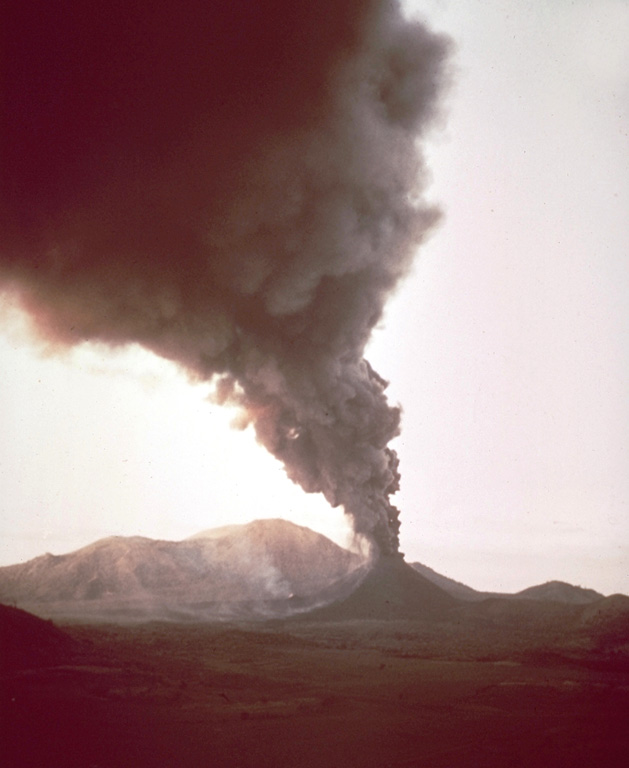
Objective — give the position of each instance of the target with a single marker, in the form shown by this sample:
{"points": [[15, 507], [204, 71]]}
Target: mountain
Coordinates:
{"points": [[609, 617], [454, 588], [560, 592], [551, 591], [264, 569], [392, 589], [303, 562], [266, 566]]}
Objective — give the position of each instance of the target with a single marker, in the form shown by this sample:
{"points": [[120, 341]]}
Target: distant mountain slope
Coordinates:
{"points": [[454, 588], [307, 561], [560, 592], [551, 591], [267, 560], [609, 615]]}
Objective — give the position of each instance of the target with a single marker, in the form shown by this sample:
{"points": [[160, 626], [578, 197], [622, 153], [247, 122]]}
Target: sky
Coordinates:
{"points": [[506, 347]]}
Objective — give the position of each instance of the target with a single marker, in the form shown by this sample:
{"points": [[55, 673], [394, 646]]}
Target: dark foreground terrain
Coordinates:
{"points": [[304, 693]]}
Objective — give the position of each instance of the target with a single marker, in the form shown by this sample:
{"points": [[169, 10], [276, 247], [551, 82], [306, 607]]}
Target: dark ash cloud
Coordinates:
{"points": [[236, 186]]}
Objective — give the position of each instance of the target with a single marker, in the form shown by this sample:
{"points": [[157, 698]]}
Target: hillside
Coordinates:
{"points": [[391, 590], [263, 566], [27, 641], [551, 591], [454, 588], [560, 592]]}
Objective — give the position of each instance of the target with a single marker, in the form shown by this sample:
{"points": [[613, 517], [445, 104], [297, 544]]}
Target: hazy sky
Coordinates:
{"points": [[506, 347]]}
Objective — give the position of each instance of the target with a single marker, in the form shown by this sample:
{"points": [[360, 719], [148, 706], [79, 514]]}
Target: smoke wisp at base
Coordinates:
{"points": [[237, 186]]}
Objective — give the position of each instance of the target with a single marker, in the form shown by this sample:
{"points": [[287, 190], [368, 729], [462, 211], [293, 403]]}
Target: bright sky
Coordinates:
{"points": [[507, 347]]}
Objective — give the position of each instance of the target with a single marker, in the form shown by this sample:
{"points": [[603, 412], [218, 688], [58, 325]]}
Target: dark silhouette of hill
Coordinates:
{"points": [[609, 617], [27, 641], [392, 589], [551, 591]]}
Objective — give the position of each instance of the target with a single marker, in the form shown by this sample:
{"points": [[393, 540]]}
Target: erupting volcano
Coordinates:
{"points": [[238, 187]]}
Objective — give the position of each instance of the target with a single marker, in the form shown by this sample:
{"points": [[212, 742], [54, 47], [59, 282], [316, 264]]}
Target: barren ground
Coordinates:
{"points": [[360, 693]]}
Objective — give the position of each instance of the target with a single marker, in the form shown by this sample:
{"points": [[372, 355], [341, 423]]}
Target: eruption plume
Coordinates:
{"points": [[237, 186]]}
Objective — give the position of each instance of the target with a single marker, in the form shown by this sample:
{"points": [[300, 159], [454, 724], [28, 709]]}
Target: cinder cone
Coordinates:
{"points": [[392, 589]]}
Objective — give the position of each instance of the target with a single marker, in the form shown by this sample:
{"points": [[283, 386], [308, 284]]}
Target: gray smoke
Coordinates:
{"points": [[238, 187]]}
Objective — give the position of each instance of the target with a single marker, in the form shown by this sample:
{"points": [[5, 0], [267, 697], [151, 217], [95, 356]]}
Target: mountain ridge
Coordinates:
{"points": [[554, 590], [263, 569], [260, 562]]}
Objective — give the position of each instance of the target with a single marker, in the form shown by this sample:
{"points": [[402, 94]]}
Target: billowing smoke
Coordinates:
{"points": [[237, 186]]}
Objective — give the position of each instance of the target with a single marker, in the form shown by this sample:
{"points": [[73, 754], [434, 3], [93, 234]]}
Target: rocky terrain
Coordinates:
{"points": [[396, 673]]}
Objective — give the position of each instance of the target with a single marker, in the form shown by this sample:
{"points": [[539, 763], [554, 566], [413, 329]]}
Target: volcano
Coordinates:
{"points": [[392, 589]]}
